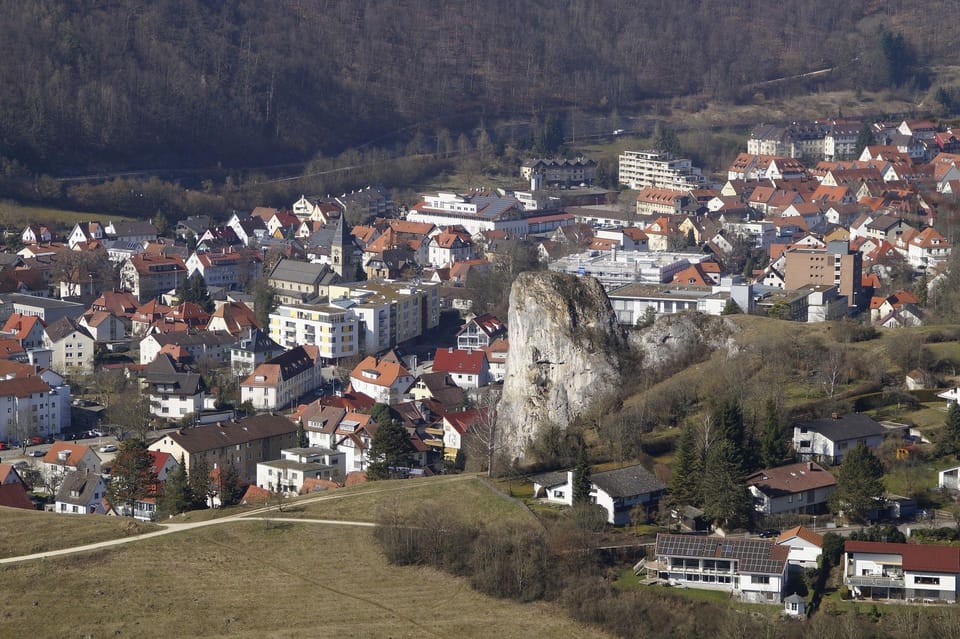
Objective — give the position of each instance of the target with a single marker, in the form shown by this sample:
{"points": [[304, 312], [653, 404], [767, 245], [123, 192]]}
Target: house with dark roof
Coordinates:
{"points": [[912, 572], [795, 488], [297, 281], [828, 439], [174, 391], [283, 380], [252, 349], [72, 346], [619, 491], [242, 443], [83, 492], [753, 570]]}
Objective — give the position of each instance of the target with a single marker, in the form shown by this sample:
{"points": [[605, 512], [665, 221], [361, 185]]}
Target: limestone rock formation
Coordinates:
{"points": [[565, 349]]}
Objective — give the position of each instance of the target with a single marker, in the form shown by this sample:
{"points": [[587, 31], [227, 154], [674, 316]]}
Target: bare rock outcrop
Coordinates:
{"points": [[566, 348]]}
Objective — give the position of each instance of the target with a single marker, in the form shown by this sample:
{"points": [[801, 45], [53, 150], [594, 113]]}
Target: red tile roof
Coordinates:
{"points": [[453, 360], [916, 557]]}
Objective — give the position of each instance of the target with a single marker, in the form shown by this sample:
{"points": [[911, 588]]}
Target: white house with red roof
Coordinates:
{"points": [[467, 368], [26, 329], [805, 546], [281, 381], [481, 331], [911, 572], [384, 379], [64, 457], [449, 246]]}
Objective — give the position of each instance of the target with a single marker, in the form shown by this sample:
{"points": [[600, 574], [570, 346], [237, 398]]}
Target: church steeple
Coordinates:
{"points": [[341, 249]]}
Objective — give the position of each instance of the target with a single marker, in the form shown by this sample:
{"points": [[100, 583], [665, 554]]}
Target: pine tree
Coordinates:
{"points": [[302, 440], [133, 477], [726, 499], [859, 485], [581, 478], [389, 449], [774, 447], [199, 482], [176, 497], [950, 438], [231, 487], [686, 480]]}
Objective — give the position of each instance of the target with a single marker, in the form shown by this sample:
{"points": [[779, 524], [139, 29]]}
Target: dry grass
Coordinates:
{"points": [[18, 216], [25, 532], [467, 498], [256, 579]]}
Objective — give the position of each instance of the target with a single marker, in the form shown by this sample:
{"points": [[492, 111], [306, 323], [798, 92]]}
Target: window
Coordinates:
{"points": [[760, 579], [927, 581]]}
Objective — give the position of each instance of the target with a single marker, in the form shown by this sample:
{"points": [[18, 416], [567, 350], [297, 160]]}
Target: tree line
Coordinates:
{"points": [[94, 86]]}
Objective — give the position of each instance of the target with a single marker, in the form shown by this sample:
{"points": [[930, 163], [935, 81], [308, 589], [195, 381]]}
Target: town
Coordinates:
{"points": [[155, 368]]}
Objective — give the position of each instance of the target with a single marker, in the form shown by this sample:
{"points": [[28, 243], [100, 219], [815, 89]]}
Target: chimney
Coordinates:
{"points": [[835, 415]]}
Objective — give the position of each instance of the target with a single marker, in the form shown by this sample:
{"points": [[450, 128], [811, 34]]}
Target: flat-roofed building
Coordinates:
{"points": [[659, 169]]}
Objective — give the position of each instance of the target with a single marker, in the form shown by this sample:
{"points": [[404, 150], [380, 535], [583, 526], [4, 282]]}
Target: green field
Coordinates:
{"points": [[16, 216]]}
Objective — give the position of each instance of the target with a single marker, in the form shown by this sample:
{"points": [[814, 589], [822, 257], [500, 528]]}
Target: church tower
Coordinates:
{"points": [[342, 251]]}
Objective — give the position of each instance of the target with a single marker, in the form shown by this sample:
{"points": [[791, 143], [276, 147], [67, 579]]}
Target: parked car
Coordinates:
{"points": [[769, 533], [37, 439], [109, 448], [36, 453]]}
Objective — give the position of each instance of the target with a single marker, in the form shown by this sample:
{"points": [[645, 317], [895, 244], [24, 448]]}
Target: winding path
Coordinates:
{"points": [[256, 514]]}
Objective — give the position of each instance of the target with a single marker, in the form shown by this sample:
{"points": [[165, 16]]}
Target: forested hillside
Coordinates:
{"points": [[127, 83]]}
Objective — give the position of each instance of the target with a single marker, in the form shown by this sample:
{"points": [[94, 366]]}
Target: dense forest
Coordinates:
{"points": [[123, 83]]}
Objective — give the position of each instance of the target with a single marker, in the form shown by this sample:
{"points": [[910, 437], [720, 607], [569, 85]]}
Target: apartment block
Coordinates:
{"points": [[834, 265], [660, 170]]}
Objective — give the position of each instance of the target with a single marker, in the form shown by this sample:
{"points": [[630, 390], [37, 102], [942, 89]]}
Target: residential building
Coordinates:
{"points": [[333, 329], [72, 346], [456, 430], [281, 381], [828, 439], [212, 346], [103, 326], [480, 332], [251, 350], [389, 312], [65, 457], [384, 379], [802, 488], [619, 491], [149, 275], [467, 368], [653, 201], [234, 318], [614, 269], [82, 492], [836, 265], [559, 171], [84, 232], [242, 443], [297, 282], [911, 572], [174, 391], [659, 169], [449, 246], [753, 570], [805, 545], [29, 402], [288, 474], [227, 268], [26, 329]]}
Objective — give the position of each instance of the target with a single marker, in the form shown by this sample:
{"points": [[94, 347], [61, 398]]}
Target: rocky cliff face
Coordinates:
{"points": [[565, 349]]}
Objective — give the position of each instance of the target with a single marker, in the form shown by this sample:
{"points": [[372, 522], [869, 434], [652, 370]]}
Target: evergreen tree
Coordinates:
{"points": [[949, 443], [726, 499], [198, 480], [133, 477], [665, 139], [176, 497], [231, 487], [389, 449], [686, 480], [302, 439], [774, 447], [194, 289], [860, 484], [864, 139], [264, 302], [581, 478]]}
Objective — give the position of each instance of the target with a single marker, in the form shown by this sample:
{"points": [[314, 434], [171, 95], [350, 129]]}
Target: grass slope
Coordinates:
{"points": [[25, 532], [277, 579]]}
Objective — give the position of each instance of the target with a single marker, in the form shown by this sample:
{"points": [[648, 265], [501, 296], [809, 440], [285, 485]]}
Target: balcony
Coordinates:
{"points": [[875, 581]]}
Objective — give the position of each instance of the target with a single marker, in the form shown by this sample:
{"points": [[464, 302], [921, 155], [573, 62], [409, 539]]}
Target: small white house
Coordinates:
{"points": [[827, 440], [805, 546], [618, 491], [82, 493]]}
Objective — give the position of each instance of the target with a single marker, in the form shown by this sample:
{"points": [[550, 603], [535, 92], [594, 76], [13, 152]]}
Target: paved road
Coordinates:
{"points": [[254, 515]]}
